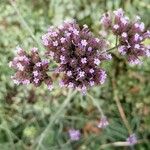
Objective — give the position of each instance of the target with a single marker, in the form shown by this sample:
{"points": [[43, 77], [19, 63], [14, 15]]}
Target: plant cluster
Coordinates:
{"points": [[79, 53]]}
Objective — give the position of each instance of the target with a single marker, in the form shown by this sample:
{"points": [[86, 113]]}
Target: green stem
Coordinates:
{"points": [[96, 104], [54, 117], [109, 50], [120, 144]]}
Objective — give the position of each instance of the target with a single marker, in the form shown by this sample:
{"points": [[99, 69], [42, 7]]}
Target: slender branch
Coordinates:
{"points": [[109, 50], [121, 144], [120, 108], [116, 41], [52, 69], [54, 117]]}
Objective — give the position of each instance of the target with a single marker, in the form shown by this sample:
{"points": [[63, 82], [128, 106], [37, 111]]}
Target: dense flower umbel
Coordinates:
{"points": [[131, 35], [30, 68], [78, 54]]}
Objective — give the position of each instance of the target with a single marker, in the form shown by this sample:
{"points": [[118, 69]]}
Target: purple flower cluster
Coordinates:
{"points": [[131, 35], [78, 54], [74, 134], [132, 139], [103, 122], [30, 68]]}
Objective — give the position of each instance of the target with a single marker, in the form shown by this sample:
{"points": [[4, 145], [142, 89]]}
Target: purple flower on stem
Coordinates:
{"points": [[103, 122], [106, 20], [132, 139], [30, 68], [74, 135], [131, 35]]}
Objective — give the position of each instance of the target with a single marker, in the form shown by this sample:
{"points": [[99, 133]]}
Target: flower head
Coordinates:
{"points": [[74, 134], [78, 54], [131, 35], [30, 68]]}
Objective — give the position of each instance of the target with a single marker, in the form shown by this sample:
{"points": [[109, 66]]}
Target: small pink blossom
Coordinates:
{"points": [[136, 46], [70, 85], [61, 84], [91, 70], [124, 21], [81, 74], [83, 60], [89, 49], [116, 26], [84, 42], [142, 26], [69, 73], [76, 32], [124, 34], [103, 122], [20, 66], [50, 87], [36, 80], [119, 12], [55, 43], [16, 81], [62, 40], [96, 61], [84, 90], [26, 81], [35, 73], [51, 54], [19, 49], [38, 64], [34, 49], [92, 83]]}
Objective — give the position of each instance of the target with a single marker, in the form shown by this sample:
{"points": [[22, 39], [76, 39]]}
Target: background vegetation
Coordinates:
{"points": [[36, 119]]}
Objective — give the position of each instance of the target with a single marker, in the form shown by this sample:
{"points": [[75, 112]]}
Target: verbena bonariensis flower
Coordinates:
{"points": [[78, 54], [131, 35], [132, 139], [74, 134], [30, 68], [103, 122]]}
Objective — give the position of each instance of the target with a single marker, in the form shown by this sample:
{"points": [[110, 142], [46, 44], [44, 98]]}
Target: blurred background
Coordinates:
{"points": [[36, 119]]}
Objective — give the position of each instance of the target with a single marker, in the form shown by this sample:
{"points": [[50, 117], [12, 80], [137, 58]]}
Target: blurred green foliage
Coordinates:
{"points": [[34, 118]]}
